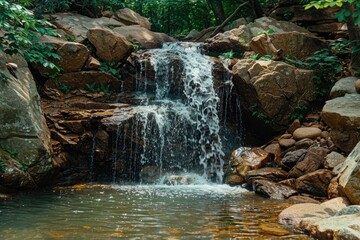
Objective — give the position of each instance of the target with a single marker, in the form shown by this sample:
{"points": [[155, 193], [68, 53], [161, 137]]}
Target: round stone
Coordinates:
{"points": [[307, 132], [357, 85]]}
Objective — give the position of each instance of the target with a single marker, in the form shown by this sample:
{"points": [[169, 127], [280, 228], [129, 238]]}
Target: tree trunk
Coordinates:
{"points": [[354, 36]]}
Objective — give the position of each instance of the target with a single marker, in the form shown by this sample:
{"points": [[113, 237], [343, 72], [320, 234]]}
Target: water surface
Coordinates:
{"points": [[142, 212]]}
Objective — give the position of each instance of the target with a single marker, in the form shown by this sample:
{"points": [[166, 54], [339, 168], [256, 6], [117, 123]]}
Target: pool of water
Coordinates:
{"points": [[142, 212]]}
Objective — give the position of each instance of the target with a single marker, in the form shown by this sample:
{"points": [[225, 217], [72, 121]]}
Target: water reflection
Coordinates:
{"points": [[142, 212]]}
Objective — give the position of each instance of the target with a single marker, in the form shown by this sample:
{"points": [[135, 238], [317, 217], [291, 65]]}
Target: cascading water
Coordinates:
{"points": [[176, 128]]}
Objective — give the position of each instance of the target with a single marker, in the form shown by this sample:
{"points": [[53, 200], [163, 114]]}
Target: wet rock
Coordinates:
{"points": [[343, 86], [302, 199], [272, 174], [295, 214], [350, 176], [234, 180], [4, 196], [290, 182], [129, 17], [304, 143], [256, 158], [273, 89], [150, 174], [343, 116], [306, 132], [299, 45], [312, 161], [110, 46], [143, 37], [291, 158], [275, 150], [272, 190], [286, 143], [178, 180], [315, 183], [343, 225], [333, 159]]}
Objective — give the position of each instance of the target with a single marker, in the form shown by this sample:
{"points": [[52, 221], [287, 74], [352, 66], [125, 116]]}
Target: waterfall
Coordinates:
{"points": [[176, 129]]}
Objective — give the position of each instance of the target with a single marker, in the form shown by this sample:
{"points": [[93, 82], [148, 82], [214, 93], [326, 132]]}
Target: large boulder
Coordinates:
{"points": [[110, 46], [143, 37], [343, 86], [129, 17], [315, 183], [343, 116], [345, 224], [239, 38], [298, 45], [72, 56], [23, 131], [272, 190], [77, 25], [272, 90], [350, 176]]}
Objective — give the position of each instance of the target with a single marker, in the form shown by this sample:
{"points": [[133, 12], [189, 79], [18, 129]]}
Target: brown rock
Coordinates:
{"points": [[234, 180], [302, 199], [333, 189], [92, 64], [270, 88], [110, 46], [275, 150], [313, 159], [357, 86], [290, 182], [75, 126], [295, 214], [294, 125], [304, 143], [315, 183], [342, 114], [256, 158], [286, 143], [297, 44], [343, 86], [286, 136], [306, 132], [272, 174], [291, 158], [333, 159], [143, 37], [73, 56], [336, 203], [129, 17], [272, 190], [78, 80], [325, 134]]}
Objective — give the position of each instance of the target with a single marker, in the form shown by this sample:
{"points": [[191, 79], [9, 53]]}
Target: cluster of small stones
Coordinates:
{"points": [[300, 165]]}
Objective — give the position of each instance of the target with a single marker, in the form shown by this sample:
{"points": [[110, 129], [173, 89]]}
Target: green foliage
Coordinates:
{"points": [[106, 89], [43, 54], [227, 55], [270, 31], [13, 155], [256, 56], [344, 13], [2, 167], [110, 68], [326, 67], [63, 87], [299, 112], [260, 115]]}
